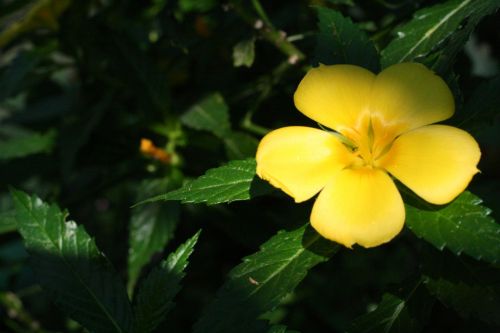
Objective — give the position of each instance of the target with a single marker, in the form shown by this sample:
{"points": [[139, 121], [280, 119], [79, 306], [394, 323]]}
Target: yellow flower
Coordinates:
{"points": [[381, 129]]}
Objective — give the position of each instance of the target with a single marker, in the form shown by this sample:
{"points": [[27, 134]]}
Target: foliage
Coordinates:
{"points": [[83, 83]]}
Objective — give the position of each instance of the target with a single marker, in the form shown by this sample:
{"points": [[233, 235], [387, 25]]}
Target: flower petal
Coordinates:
{"points": [[335, 96], [359, 206], [300, 160], [437, 162], [409, 96]]}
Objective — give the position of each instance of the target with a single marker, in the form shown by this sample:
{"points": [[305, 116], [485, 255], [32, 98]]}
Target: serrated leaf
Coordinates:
{"points": [[157, 291], [244, 53], [210, 114], [469, 287], [396, 314], [231, 182], [469, 300], [240, 145], [16, 142], [151, 227], [340, 41], [432, 26], [260, 282], [461, 226], [70, 267]]}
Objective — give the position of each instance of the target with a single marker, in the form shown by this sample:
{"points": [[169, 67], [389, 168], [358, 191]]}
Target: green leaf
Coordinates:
{"points": [[151, 228], [431, 27], [231, 182], [70, 267], [157, 291], [469, 287], [8, 221], [16, 142], [340, 41], [244, 53], [260, 282], [461, 226], [240, 145], [396, 314], [211, 114]]}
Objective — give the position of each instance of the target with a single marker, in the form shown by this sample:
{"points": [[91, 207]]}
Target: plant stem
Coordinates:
{"points": [[268, 31], [274, 78]]}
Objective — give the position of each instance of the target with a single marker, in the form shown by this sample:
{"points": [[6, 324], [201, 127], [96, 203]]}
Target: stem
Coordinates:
{"points": [[268, 32], [262, 14], [274, 78]]}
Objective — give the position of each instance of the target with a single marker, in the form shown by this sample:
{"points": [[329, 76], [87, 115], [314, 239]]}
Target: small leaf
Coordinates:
{"points": [[340, 41], [461, 226], [157, 291], [79, 279], [231, 182], [260, 282], [240, 145], [211, 114], [432, 26], [151, 227], [16, 142], [244, 53]]}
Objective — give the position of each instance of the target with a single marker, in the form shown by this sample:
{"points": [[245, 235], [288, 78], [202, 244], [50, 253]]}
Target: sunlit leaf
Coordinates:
{"points": [[432, 26], [231, 182], [260, 282], [340, 41], [157, 291], [464, 225], [70, 267]]}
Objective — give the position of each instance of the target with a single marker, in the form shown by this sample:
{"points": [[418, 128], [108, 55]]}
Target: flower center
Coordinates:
{"points": [[369, 142]]}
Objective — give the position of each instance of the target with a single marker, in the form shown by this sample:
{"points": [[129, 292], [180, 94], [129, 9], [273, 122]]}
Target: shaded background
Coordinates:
{"points": [[82, 82]]}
